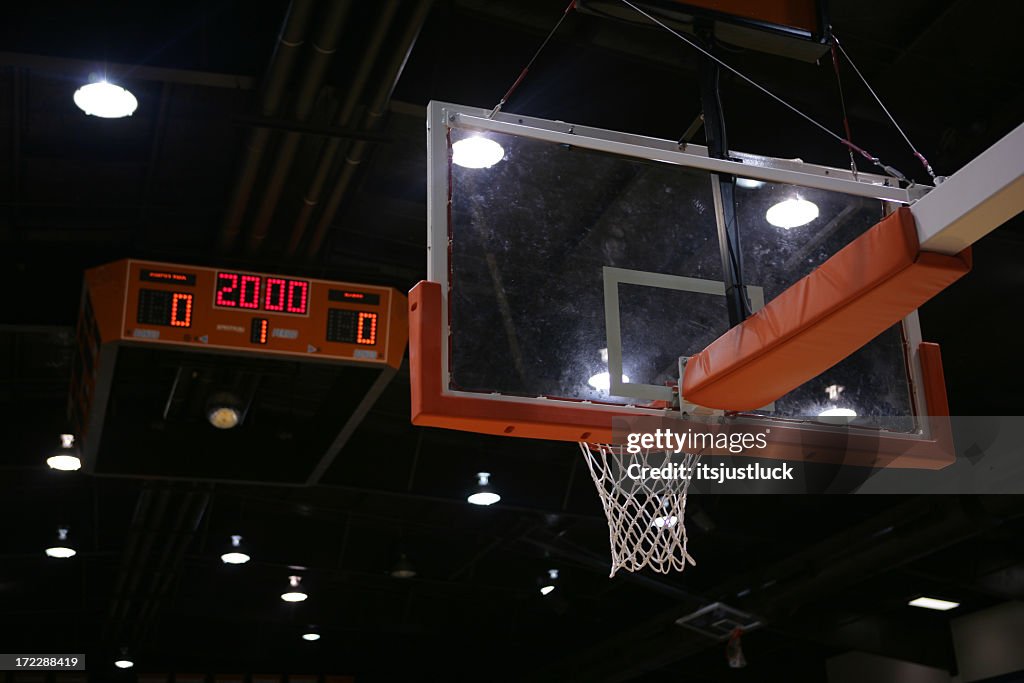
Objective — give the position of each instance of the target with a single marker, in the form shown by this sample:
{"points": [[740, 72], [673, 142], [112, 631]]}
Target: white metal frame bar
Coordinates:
{"points": [[975, 200], [613, 277]]}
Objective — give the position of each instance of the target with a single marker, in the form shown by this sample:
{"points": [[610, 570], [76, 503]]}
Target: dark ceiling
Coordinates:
{"points": [[215, 169]]}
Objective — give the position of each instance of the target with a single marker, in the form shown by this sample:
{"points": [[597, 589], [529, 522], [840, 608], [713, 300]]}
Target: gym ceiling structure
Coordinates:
{"points": [[288, 138]]}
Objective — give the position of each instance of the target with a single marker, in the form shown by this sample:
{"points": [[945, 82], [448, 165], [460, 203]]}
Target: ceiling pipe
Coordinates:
{"points": [[324, 46], [289, 41], [343, 119], [197, 507], [372, 119], [145, 524]]}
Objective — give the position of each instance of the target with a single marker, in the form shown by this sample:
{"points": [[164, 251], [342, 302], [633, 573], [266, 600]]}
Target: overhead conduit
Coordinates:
{"points": [[282, 62], [343, 119], [324, 46], [372, 119]]}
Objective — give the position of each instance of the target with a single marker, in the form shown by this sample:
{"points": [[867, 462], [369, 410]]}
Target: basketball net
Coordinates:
{"points": [[646, 517]]}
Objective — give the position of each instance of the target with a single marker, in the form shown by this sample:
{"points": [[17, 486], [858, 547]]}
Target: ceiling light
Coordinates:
{"points": [[792, 213], [548, 584], [124, 664], [934, 603], [66, 459], [235, 555], [105, 100], [662, 522], [61, 550], [748, 183], [602, 381], [838, 412], [484, 495], [224, 410], [476, 152], [403, 569], [311, 635], [294, 595]]}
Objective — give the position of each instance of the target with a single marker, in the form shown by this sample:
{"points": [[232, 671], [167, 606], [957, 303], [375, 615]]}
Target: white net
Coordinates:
{"points": [[646, 515]]}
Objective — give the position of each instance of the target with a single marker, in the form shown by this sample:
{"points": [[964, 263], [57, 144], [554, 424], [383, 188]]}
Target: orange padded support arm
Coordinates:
{"points": [[865, 288]]}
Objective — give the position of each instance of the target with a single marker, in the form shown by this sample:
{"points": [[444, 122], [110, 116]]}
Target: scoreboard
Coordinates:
{"points": [[235, 310]]}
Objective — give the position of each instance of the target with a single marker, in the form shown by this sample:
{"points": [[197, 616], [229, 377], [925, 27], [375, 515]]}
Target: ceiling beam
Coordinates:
{"points": [[114, 70]]}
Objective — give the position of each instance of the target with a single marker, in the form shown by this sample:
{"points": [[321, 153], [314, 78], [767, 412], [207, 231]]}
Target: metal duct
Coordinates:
{"points": [[289, 42], [344, 118], [324, 47], [372, 119]]}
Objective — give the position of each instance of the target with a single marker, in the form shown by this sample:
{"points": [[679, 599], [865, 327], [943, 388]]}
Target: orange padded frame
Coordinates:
{"points": [[434, 406], [865, 288]]}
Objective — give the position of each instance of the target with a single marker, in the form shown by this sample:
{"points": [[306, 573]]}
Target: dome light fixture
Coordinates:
{"points": [[311, 635], [667, 519], [62, 549], [602, 381], [294, 594], [792, 213], [548, 583], [476, 151], [105, 100], [224, 410], [835, 410], [235, 555], [403, 569], [66, 459], [838, 412], [484, 495]]}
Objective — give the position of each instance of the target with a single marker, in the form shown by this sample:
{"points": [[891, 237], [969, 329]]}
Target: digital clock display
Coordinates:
{"points": [[261, 293]]}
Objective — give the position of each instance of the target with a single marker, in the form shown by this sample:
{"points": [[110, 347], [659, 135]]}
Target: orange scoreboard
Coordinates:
{"points": [[240, 311]]}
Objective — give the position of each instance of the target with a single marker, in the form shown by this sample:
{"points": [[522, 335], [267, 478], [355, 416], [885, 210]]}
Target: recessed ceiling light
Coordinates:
{"points": [[124, 664], [792, 213], [934, 603], [476, 151], [105, 100], [311, 636]]}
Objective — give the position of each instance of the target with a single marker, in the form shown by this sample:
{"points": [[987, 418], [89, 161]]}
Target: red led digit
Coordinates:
{"points": [[366, 329], [249, 294], [227, 289], [181, 310], [298, 295], [276, 293], [263, 331]]}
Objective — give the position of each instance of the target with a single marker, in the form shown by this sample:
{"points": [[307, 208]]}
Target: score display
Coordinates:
{"points": [[259, 293], [217, 309], [159, 307], [352, 327]]}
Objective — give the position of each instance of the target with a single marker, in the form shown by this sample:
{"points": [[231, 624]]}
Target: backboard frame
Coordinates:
{"points": [[435, 403]]}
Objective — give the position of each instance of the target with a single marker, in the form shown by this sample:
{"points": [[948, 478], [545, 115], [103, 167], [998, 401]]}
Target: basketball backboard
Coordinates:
{"points": [[574, 267]]}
